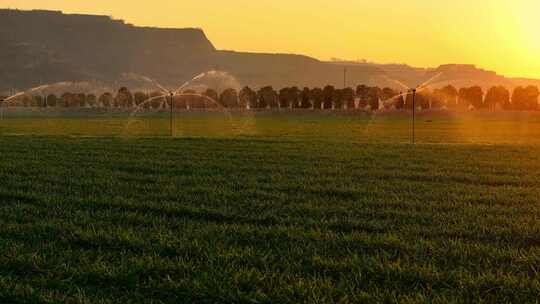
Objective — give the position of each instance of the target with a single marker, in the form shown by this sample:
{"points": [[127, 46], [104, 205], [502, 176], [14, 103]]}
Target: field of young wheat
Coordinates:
{"points": [[298, 209]]}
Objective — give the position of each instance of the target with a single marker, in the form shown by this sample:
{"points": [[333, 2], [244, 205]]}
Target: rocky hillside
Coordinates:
{"points": [[44, 46], [40, 47]]}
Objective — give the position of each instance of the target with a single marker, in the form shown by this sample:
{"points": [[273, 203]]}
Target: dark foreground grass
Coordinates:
{"points": [[266, 221]]}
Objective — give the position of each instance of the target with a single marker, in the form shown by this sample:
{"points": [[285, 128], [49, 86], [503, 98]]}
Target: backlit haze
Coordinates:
{"points": [[500, 35]]}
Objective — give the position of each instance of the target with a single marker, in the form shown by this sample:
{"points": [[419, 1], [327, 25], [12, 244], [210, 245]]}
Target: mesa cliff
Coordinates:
{"points": [[39, 47]]}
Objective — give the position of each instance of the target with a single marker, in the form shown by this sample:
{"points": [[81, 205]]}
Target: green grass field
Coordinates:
{"points": [[270, 211], [335, 126]]}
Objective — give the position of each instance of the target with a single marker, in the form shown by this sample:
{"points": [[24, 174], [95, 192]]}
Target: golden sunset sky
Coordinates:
{"points": [[500, 35]]}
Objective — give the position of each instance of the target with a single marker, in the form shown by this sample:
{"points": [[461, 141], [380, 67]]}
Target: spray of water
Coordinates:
{"points": [[225, 79], [142, 106], [13, 97], [392, 100], [153, 82], [243, 124], [422, 87], [429, 81], [79, 86], [399, 83], [186, 84]]}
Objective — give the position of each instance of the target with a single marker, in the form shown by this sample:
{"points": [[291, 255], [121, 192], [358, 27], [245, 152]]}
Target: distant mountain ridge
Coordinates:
{"points": [[48, 46]]}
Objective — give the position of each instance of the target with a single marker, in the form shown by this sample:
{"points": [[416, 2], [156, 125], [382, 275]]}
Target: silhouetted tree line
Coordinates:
{"points": [[327, 98]]}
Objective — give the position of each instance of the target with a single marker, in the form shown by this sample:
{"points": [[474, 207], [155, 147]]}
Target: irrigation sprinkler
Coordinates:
{"points": [[413, 91], [171, 115]]}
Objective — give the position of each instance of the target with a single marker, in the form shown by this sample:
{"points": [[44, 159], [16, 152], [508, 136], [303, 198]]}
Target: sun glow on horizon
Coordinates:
{"points": [[521, 33], [499, 35]]}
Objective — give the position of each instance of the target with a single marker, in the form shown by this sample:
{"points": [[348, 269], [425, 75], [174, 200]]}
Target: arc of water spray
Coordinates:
{"points": [[157, 84], [22, 93], [170, 93], [13, 97], [425, 85], [185, 84], [162, 88], [39, 88], [140, 107], [422, 87], [401, 84], [178, 90]]}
